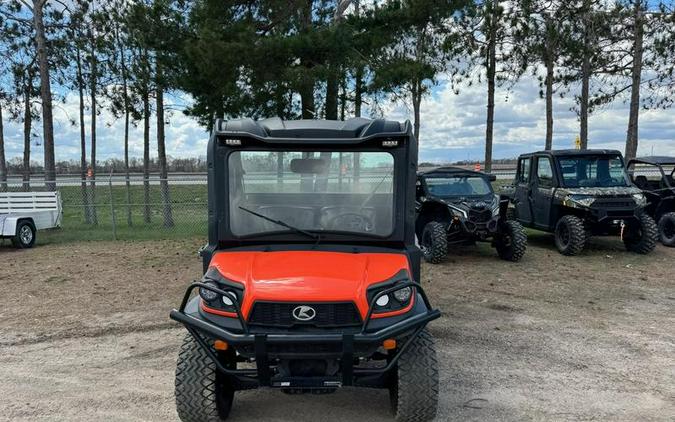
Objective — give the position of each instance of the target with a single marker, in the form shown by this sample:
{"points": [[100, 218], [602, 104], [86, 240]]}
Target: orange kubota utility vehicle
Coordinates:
{"points": [[312, 276]]}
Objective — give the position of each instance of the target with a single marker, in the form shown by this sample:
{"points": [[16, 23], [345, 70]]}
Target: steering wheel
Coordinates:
{"points": [[351, 221]]}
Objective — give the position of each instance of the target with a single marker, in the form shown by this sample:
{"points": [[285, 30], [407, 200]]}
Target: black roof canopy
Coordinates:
{"points": [[655, 160], [325, 131], [447, 170], [566, 152]]}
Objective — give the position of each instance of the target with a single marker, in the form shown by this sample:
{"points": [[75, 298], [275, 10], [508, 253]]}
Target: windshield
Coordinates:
{"points": [[311, 191], [593, 171], [460, 185]]}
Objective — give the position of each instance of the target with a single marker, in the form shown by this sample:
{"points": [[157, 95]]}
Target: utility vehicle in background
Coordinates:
{"points": [[655, 176], [312, 276], [576, 194], [457, 207]]}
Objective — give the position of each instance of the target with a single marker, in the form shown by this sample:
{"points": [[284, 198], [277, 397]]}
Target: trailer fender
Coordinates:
{"points": [[9, 223]]}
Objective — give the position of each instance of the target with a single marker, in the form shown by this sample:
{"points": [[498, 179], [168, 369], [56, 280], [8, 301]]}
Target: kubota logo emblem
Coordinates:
{"points": [[304, 313]]}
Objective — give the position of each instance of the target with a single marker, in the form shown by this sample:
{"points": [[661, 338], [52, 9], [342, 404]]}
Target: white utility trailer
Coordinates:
{"points": [[22, 214]]}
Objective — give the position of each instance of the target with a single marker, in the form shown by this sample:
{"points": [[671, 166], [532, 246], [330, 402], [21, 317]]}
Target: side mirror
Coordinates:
{"points": [[492, 177]]}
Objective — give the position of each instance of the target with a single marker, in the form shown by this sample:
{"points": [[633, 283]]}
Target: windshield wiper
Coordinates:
{"points": [[282, 224]]}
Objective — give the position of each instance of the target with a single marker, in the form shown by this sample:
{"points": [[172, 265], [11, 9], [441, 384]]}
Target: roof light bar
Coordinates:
{"points": [[232, 142], [390, 143]]}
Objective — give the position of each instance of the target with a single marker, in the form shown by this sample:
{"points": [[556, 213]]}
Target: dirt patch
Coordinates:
{"points": [[85, 335]]}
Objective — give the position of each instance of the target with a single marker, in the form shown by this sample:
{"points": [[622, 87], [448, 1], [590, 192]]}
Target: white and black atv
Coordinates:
{"points": [[457, 207]]}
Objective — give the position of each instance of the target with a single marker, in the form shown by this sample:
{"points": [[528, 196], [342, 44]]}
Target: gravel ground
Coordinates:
{"points": [[85, 335]]}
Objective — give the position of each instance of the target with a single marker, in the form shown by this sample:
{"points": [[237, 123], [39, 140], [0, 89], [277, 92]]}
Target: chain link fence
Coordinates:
{"points": [[115, 207]]}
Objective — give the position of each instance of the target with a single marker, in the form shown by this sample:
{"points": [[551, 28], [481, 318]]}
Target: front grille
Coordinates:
{"points": [[480, 216], [280, 314], [622, 203]]}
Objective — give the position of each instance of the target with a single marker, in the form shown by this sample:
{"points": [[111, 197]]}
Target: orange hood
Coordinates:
{"points": [[307, 276]]}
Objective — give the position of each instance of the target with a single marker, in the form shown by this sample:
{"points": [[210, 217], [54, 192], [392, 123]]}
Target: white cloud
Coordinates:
{"points": [[452, 127], [184, 137]]}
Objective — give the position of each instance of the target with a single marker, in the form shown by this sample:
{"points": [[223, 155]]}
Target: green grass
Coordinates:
{"points": [[188, 208]]}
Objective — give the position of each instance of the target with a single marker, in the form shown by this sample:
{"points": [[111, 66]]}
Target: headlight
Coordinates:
{"points": [[583, 200], [495, 206], [394, 301], [229, 298], [234, 292], [382, 301], [454, 211], [209, 295], [640, 199], [403, 295]]}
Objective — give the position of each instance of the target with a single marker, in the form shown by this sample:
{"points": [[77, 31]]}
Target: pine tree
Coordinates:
{"points": [[491, 32], [544, 40]]}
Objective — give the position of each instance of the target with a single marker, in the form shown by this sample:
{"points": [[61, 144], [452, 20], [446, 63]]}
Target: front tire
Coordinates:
{"points": [[25, 235], [667, 229], [434, 242], [641, 237], [201, 393], [570, 235], [414, 392], [512, 241]]}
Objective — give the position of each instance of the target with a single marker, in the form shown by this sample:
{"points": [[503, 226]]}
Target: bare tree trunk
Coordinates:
{"points": [[146, 154], [343, 98], [549, 102], [92, 89], [3, 163], [583, 109], [125, 90], [416, 100], [126, 147], [27, 128], [83, 141], [636, 73], [358, 91], [45, 94], [307, 79], [358, 98], [332, 87], [279, 100], [491, 73], [307, 97], [585, 78], [161, 149]]}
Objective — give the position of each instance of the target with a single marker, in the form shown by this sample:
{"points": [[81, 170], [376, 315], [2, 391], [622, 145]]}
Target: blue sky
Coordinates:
{"points": [[452, 127]]}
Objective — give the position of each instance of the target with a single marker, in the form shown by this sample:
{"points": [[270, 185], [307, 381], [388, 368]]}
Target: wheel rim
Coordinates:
{"points": [[26, 235], [636, 233], [506, 240], [563, 235], [669, 229], [426, 241]]}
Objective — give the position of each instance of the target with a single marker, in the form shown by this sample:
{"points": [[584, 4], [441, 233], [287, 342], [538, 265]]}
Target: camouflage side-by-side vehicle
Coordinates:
{"points": [[576, 194]]}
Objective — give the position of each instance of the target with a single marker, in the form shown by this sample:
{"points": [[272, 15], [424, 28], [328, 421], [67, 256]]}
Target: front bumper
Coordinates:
{"points": [[344, 345], [479, 230], [609, 215]]}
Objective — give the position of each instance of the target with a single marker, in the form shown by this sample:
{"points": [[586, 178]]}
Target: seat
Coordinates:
{"points": [[641, 182]]}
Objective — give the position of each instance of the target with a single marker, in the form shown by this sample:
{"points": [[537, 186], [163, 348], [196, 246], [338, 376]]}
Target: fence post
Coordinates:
{"points": [[112, 207]]}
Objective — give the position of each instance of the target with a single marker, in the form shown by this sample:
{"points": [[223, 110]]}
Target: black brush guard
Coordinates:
{"points": [[262, 375]]}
